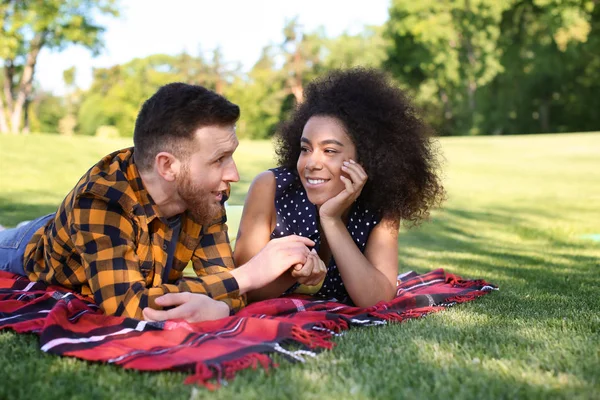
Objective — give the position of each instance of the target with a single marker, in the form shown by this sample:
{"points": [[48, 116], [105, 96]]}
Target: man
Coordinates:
{"points": [[132, 223]]}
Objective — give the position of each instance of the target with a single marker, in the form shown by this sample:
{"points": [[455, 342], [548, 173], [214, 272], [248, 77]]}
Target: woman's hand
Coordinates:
{"points": [[312, 272], [278, 256], [335, 207]]}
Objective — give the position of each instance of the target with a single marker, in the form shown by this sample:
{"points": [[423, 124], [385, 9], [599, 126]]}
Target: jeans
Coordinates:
{"points": [[13, 242]]}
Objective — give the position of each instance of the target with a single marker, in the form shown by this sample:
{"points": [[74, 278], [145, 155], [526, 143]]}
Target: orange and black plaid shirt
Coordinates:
{"points": [[108, 241]]}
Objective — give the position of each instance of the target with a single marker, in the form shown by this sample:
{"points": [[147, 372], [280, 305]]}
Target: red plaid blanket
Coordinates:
{"points": [[71, 325]]}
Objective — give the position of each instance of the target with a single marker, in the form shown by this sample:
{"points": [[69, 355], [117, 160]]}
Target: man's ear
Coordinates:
{"points": [[167, 166]]}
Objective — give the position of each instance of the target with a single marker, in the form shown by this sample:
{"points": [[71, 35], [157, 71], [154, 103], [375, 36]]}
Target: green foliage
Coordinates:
{"points": [[548, 47], [444, 51], [517, 224], [473, 67], [266, 94], [107, 132], [117, 93], [259, 96], [488, 66], [28, 26], [46, 110], [365, 49]]}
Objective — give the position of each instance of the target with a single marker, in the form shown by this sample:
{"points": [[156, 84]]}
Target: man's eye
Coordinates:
{"points": [[304, 149], [331, 151]]}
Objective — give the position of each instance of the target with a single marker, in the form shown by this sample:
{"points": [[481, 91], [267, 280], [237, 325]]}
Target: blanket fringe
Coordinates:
{"points": [[311, 339], [462, 298], [202, 376], [391, 315], [459, 282], [205, 374], [334, 326]]}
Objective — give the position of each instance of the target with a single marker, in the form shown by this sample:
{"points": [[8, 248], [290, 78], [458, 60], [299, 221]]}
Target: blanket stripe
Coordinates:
{"points": [[71, 325]]}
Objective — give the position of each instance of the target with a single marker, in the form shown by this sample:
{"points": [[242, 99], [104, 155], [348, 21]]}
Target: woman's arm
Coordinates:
{"points": [[255, 230], [369, 277]]}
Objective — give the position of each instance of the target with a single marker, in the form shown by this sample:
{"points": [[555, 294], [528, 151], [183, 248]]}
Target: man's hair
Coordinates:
{"points": [[169, 119]]}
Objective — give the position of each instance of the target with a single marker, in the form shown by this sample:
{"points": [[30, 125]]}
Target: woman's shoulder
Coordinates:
{"points": [[263, 184], [264, 178], [286, 180]]}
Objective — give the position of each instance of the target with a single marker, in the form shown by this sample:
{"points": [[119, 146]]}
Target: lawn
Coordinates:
{"points": [[522, 212]]}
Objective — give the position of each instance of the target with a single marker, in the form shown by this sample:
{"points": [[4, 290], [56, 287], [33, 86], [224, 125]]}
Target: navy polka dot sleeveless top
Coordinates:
{"points": [[296, 215]]}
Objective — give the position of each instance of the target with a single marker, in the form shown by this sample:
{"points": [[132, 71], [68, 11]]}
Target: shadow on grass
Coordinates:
{"points": [[546, 275], [12, 212], [532, 339], [96, 380]]}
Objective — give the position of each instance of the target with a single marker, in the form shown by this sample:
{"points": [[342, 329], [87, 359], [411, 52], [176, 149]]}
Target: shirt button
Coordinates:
{"points": [[164, 246]]}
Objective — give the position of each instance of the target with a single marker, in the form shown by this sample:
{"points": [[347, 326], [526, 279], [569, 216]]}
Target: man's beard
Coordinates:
{"points": [[199, 203]]}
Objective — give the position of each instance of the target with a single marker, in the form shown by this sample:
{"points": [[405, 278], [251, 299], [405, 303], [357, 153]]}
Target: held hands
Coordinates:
{"points": [[278, 256], [312, 272], [193, 307], [335, 207]]}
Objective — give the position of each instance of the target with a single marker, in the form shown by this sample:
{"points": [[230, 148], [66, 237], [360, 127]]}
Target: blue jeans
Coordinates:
{"points": [[13, 242]]}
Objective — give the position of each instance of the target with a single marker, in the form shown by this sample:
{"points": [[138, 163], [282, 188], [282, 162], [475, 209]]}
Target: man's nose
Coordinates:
{"points": [[231, 173]]}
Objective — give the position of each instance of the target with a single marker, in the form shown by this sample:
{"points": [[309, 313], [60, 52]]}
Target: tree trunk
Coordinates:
{"points": [[471, 84], [3, 123], [9, 71], [296, 87], [545, 116], [26, 84], [26, 129], [6, 109], [298, 92]]}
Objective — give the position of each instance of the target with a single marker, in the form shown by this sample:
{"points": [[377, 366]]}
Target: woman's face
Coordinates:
{"points": [[325, 145]]}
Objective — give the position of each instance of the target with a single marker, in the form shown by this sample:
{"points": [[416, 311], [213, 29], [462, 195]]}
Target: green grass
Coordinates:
{"points": [[517, 213]]}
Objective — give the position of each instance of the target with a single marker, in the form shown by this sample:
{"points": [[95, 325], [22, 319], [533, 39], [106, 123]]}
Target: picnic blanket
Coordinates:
{"points": [[72, 325]]}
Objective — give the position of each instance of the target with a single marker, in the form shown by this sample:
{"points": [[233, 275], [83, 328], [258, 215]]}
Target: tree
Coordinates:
{"points": [[46, 111], [302, 53], [549, 83], [260, 96], [117, 93], [28, 26], [365, 49], [444, 51]]}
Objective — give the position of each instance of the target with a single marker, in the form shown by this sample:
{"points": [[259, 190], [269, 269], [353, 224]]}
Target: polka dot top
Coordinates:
{"points": [[296, 215]]}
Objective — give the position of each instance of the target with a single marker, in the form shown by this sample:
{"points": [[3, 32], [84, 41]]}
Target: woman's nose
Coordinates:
{"points": [[314, 161]]}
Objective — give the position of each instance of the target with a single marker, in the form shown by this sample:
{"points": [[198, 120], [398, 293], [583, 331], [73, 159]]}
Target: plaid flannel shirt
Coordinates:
{"points": [[108, 241]]}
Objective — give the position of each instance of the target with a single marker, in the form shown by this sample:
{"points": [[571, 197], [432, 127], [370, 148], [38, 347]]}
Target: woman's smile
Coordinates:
{"points": [[325, 145]]}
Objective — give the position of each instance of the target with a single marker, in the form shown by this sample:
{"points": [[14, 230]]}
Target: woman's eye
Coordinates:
{"points": [[331, 151], [303, 149]]}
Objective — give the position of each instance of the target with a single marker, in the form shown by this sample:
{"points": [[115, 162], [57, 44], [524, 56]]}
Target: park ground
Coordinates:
{"points": [[522, 212]]}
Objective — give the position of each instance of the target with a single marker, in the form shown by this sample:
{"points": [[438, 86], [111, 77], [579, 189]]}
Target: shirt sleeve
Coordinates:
{"points": [[105, 240], [214, 258]]}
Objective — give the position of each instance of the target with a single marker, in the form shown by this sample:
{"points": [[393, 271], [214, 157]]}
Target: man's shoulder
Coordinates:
{"points": [[109, 179]]}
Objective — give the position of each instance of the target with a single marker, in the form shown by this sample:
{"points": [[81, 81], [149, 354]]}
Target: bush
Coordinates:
{"points": [[107, 132]]}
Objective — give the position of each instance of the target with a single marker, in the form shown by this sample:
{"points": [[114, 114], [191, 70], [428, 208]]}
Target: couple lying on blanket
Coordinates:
{"points": [[354, 160]]}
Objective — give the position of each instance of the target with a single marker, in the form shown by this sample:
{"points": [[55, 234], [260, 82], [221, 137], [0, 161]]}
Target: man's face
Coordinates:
{"points": [[206, 174]]}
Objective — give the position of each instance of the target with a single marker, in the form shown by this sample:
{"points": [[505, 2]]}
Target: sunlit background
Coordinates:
{"points": [[474, 67]]}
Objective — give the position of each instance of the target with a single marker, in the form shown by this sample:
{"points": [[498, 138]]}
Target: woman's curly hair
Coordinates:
{"points": [[393, 144]]}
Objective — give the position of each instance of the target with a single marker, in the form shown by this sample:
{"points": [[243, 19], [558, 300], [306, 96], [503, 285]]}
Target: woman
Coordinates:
{"points": [[355, 159]]}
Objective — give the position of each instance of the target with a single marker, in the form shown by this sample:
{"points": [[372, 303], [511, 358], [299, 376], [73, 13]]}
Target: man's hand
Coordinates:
{"points": [[193, 307], [274, 259], [312, 272]]}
